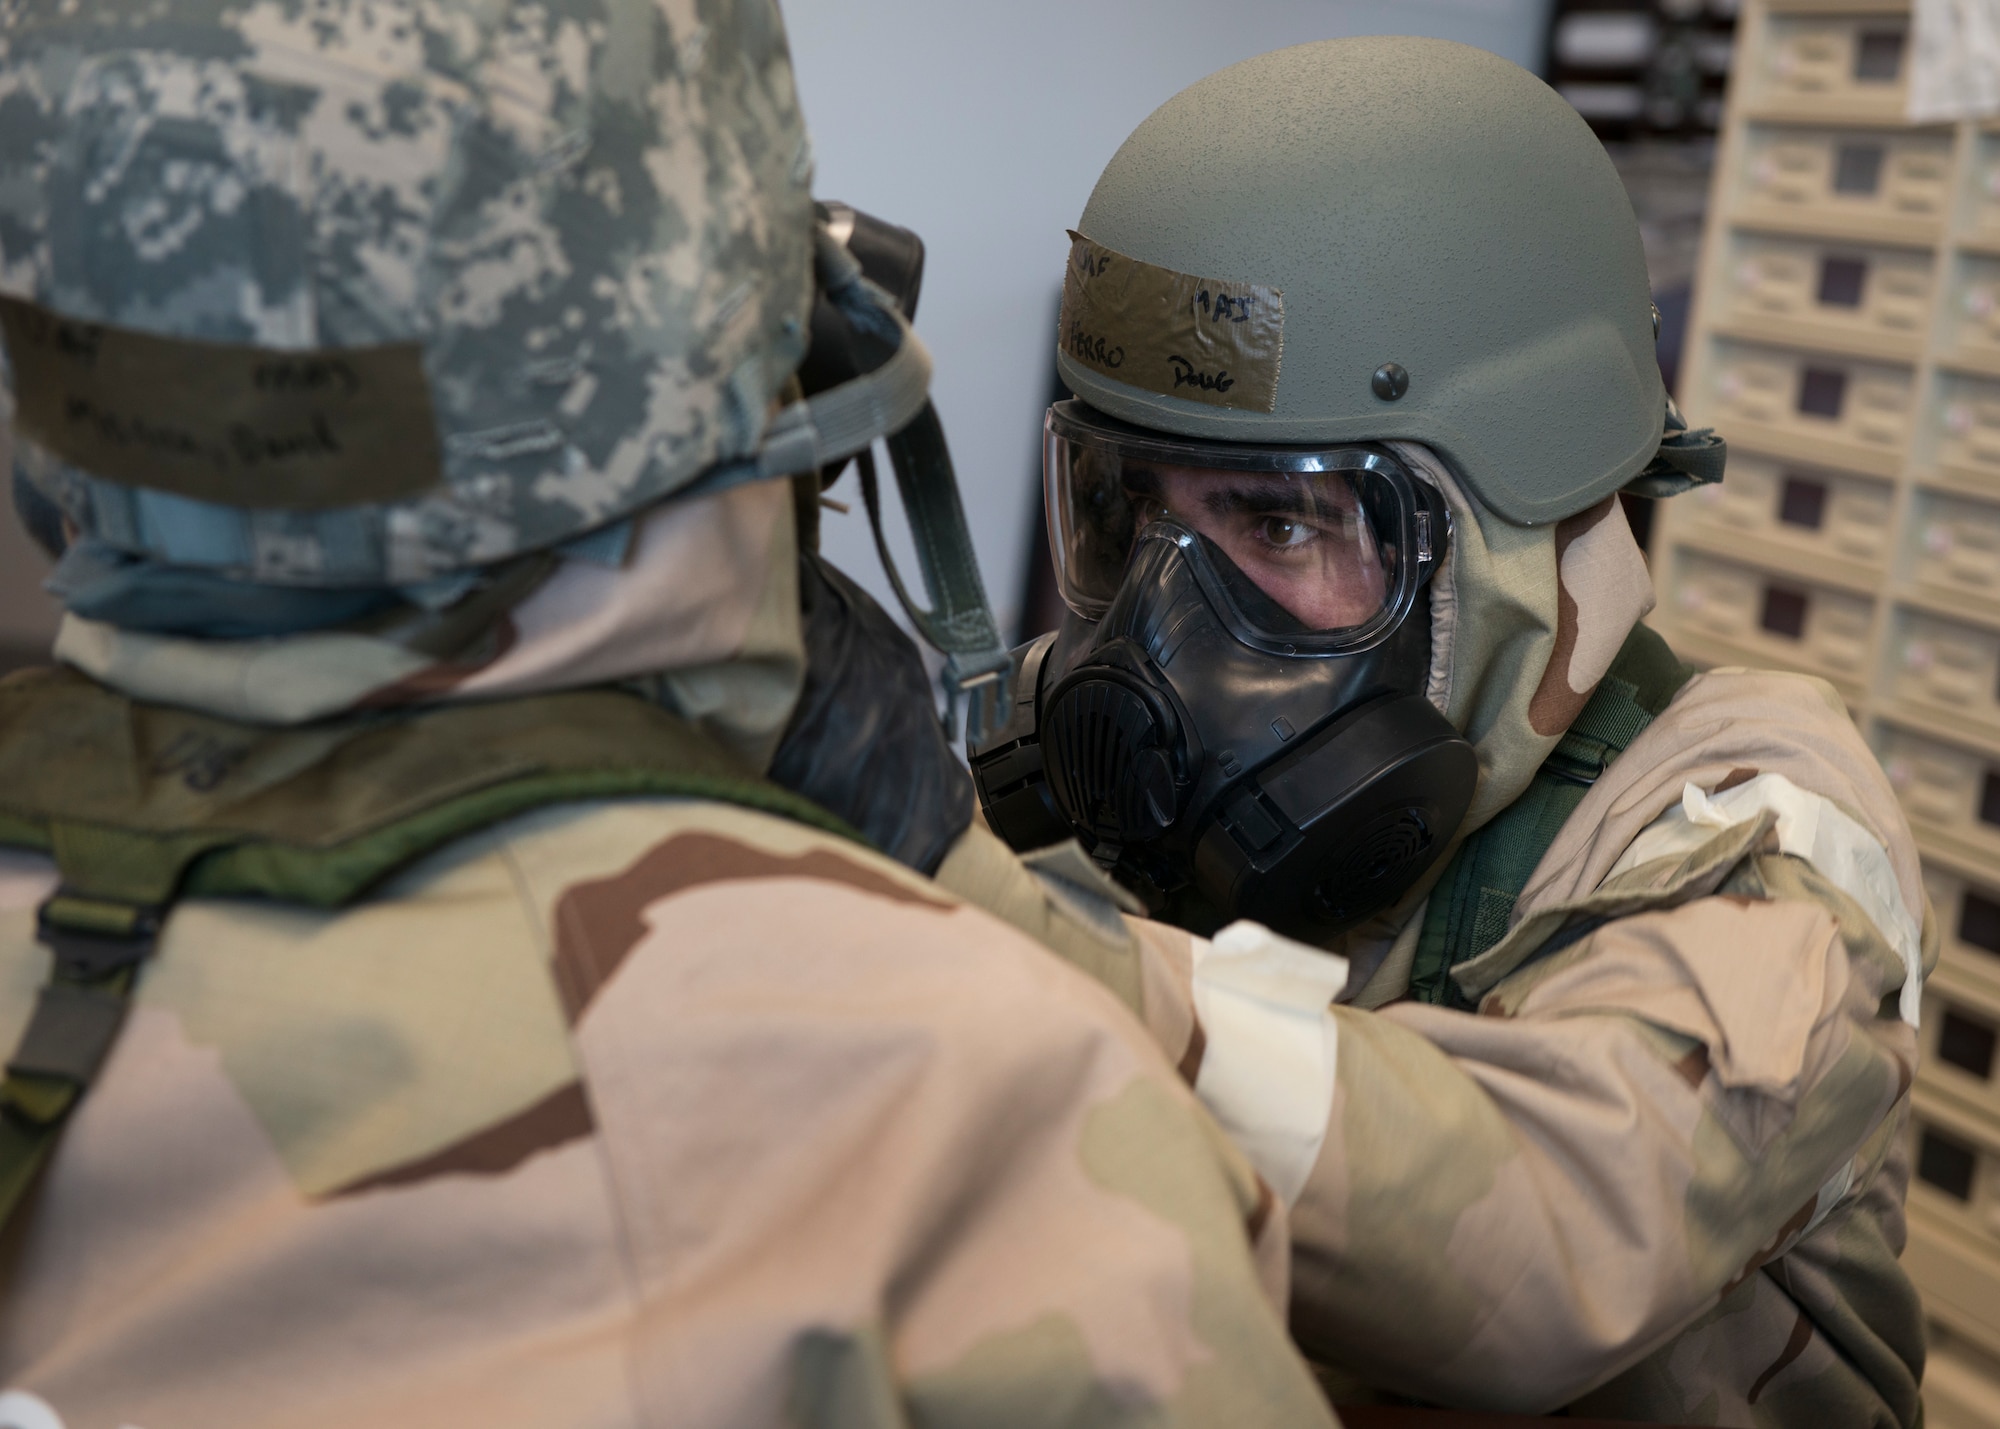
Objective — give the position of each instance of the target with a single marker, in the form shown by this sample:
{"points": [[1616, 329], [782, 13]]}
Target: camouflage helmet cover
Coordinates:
{"points": [[1377, 201], [591, 218]]}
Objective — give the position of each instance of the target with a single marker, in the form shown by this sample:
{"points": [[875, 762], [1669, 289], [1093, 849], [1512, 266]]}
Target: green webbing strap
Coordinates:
{"points": [[1685, 459], [1469, 907], [959, 623], [96, 947]]}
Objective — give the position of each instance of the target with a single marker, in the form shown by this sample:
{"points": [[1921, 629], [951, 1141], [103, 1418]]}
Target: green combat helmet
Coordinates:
{"points": [[1414, 239], [1299, 281]]}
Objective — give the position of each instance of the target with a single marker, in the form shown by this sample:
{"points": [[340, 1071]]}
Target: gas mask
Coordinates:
{"points": [[1231, 717]]}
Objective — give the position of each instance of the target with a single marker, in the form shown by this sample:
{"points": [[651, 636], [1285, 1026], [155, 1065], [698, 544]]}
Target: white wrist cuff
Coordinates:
{"points": [[1267, 1071]]}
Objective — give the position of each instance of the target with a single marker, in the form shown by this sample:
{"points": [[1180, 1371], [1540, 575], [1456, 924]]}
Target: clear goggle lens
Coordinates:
{"points": [[1328, 553]]}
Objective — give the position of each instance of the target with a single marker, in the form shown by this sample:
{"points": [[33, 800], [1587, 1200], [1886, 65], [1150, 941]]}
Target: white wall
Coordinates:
{"points": [[983, 126]]}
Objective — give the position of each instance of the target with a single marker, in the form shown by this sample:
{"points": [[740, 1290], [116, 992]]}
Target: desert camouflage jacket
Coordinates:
{"points": [[650, 1112], [1658, 1173]]}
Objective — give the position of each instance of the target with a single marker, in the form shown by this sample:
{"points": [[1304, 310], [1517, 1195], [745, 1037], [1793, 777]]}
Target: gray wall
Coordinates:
{"points": [[984, 127]]}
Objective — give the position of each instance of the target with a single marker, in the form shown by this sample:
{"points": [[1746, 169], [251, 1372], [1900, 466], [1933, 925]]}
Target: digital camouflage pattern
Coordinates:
{"points": [[1659, 1173], [647, 1112], [593, 215]]}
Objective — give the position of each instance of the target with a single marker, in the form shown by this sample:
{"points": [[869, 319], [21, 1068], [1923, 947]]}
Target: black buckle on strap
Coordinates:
{"points": [[86, 954]]}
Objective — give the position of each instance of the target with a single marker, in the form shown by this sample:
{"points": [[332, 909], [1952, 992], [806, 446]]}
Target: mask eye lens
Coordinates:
{"points": [[1319, 548]]}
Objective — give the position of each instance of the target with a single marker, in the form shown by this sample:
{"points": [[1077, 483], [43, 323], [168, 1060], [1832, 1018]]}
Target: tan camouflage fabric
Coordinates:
{"points": [[1525, 620], [1659, 1173], [649, 1112]]}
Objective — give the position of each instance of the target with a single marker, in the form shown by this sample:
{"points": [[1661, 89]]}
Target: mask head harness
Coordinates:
{"points": [[1232, 716]]}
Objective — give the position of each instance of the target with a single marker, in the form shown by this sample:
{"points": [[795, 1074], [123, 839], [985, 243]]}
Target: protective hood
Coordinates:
{"points": [[1525, 620], [702, 609]]}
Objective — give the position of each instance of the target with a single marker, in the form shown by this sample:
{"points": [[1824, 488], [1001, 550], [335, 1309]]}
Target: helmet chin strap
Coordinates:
{"points": [[959, 623], [890, 402]]}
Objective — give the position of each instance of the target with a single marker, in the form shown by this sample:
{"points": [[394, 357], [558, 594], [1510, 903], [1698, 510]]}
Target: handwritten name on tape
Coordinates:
{"points": [[243, 426], [1204, 339]]}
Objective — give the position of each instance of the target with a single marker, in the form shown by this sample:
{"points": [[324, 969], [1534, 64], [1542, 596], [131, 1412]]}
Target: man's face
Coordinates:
{"points": [[1304, 539]]}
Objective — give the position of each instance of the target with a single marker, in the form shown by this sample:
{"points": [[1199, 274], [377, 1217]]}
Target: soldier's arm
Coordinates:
{"points": [[930, 1170], [1510, 1207], [1506, 1209]]}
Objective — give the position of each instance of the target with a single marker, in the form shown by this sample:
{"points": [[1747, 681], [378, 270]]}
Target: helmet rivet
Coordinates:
{"points": [[1390, 381]]}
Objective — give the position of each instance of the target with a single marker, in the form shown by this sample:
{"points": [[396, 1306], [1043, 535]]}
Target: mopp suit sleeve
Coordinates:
{"points": [[1659, 1172], [648, 1112]]}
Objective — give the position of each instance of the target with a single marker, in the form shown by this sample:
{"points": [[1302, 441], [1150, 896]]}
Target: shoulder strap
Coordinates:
{"points": [[1469, 908], [140, 805]]}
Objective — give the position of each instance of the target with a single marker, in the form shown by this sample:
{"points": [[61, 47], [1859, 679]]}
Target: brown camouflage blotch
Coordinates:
{"points": [[1197, 1046], [1797, 1222], [1554, 705], [1260, 1214], [1802, 1334], [598, 923], [436, 681], [1693, 1068], [558, 1118]]}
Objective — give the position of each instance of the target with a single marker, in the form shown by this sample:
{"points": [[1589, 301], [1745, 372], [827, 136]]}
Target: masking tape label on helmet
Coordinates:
{"points": [[238, 425], [1204, 339]]}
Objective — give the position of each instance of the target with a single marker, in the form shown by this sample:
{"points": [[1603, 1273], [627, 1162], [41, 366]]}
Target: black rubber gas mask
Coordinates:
{"points": [[1231, 717]]}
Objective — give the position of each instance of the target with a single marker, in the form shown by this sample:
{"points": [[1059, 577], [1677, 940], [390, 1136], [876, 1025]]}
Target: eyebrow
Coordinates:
{"points": [[1256, 500]]}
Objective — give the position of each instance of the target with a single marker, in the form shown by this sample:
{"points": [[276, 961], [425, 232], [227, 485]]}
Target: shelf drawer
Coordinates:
{"points": [[1945, 787], [1786, 623], [1961, 1380], [1812, 511], [1867, 291], [1960, 1054], [1984, 200], [1952, 545], [1864, 404], [1967, 424], [1875, 173], [1854, 61], [1955, 1170], [1947, 665], [1968, 917], [1956, 1273], [1972, 317]]}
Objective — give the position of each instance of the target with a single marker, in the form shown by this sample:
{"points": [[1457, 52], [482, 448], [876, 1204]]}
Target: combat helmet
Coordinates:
{"points": [[303, 307], [1367, 240]]}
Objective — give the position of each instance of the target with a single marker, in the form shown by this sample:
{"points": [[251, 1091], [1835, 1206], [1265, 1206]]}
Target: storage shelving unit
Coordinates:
{"points": [[1845, 340]]}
